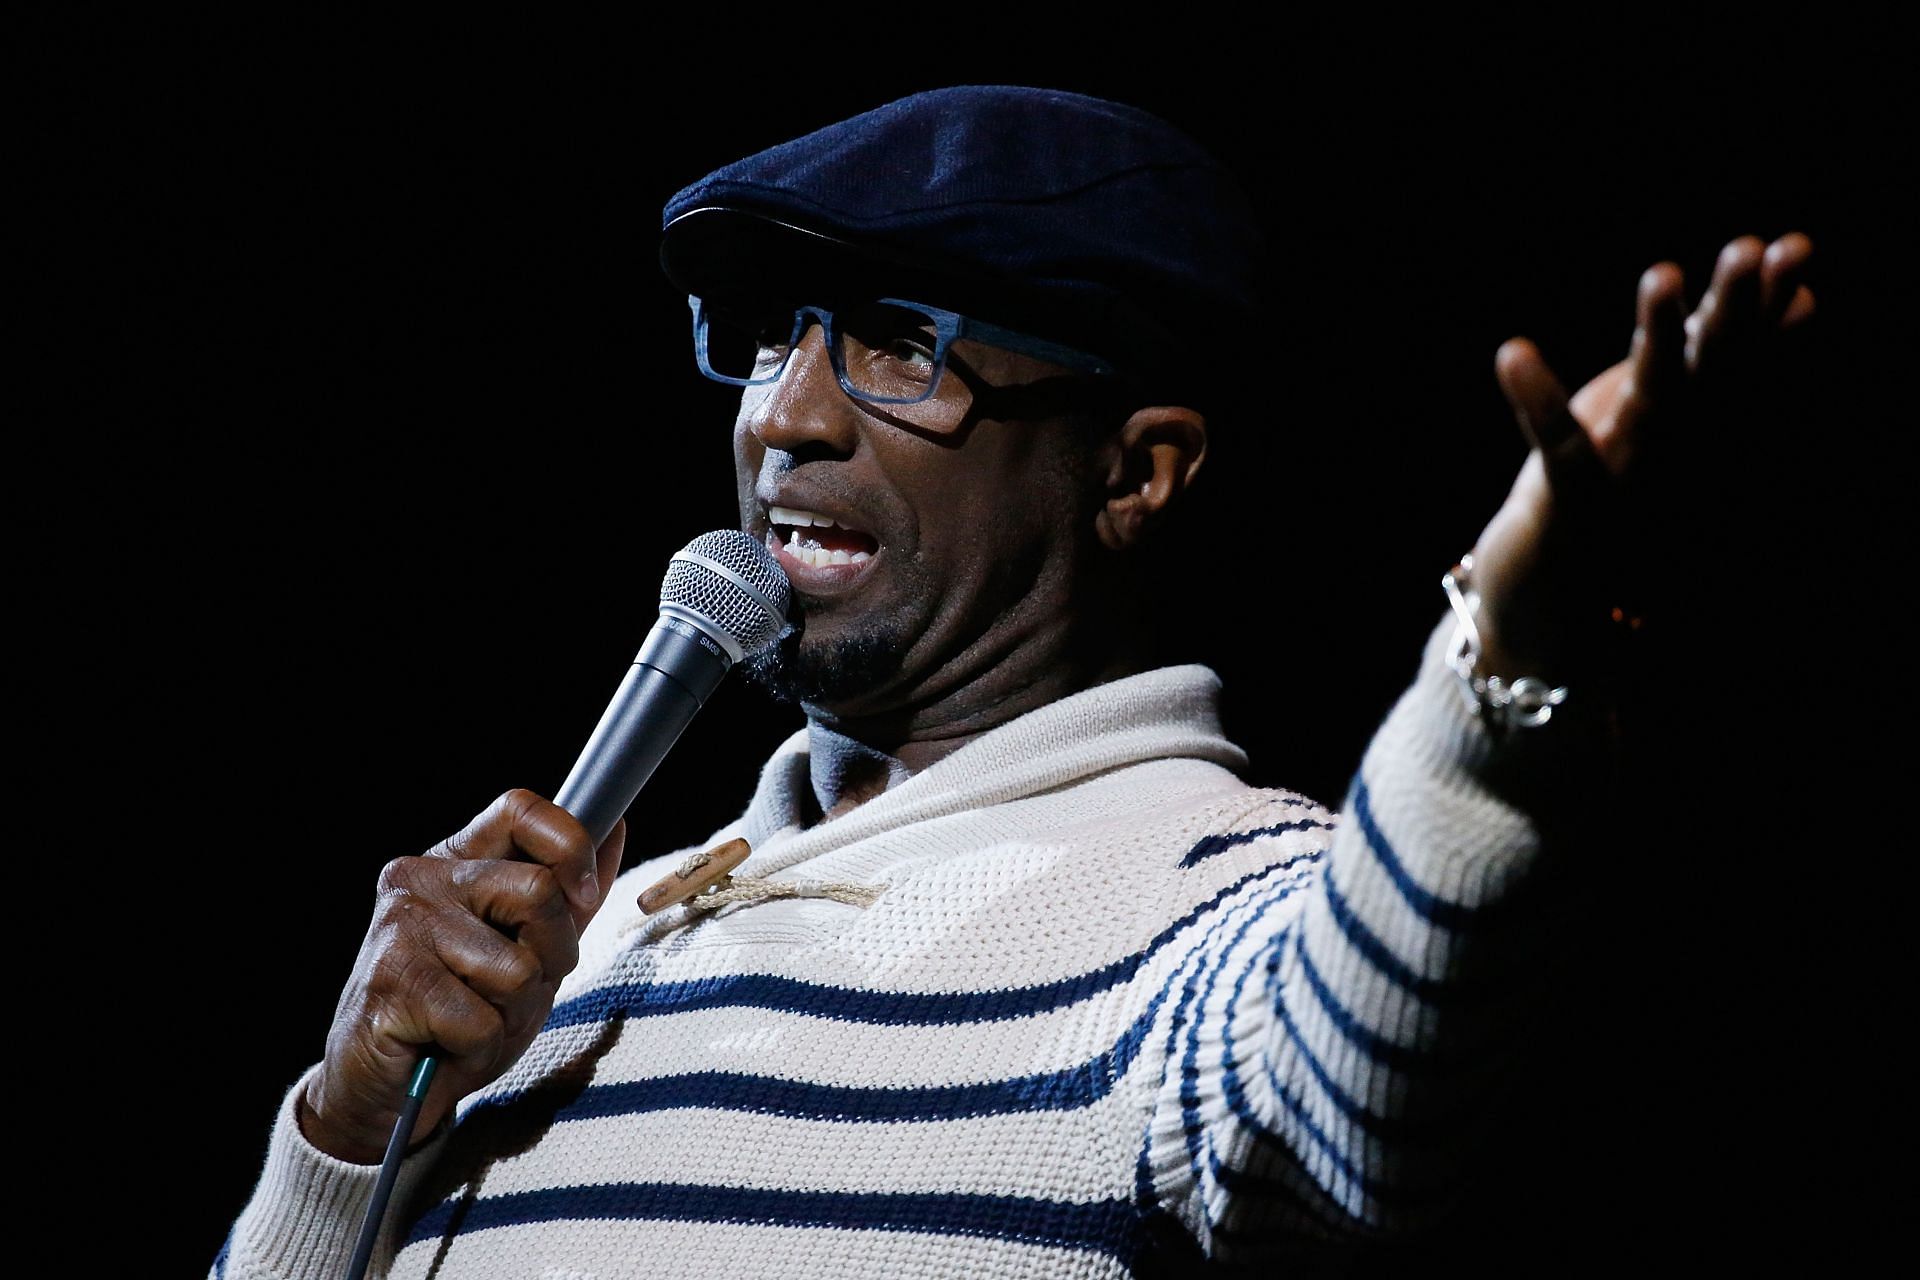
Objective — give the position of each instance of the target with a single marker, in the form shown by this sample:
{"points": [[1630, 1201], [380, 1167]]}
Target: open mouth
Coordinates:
{"points": [[817, 540]]}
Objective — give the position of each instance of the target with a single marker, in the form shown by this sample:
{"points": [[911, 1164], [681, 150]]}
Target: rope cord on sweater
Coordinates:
{"points": [[731, 889]]}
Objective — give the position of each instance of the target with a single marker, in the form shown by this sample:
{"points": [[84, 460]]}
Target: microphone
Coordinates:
{"points": [[723, 598]]}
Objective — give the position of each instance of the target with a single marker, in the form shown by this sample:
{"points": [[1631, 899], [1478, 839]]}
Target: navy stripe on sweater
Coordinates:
{"points": [[1189, 1063], [1427, 905], [1367, 943], [1235, 1091], [1196, 1134], [1404, 1058], [1143, 1194], [1196, 955], [1275, 1143], [1394, 1129], [887, 1008], [1207, 846], [1268, 1140], [1102, 1225], [1279, 1152], [1192, 1129], [1080, 1085]]}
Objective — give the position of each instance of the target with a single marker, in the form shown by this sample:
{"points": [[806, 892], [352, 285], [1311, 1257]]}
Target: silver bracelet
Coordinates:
{"points": [[1526, 703]]}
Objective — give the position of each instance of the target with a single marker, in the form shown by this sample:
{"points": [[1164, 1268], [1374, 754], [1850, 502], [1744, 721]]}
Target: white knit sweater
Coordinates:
{"points": [[1113, 1005]]}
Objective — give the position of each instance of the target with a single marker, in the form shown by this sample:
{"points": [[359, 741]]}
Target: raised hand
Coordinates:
{"points": [[1592, 532]]}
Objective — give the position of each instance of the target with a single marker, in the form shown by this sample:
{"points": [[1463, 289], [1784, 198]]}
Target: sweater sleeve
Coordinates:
{"points": [[305, 1214], [1341, 1031]]}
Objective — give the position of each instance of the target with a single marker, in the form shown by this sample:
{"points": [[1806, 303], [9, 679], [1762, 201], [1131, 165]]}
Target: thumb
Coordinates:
{"points": [[1534, 393], [1540, 405]]}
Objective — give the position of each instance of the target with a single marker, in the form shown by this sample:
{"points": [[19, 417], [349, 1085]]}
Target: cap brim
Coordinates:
{"points": [[715, 252], [719, 252]]}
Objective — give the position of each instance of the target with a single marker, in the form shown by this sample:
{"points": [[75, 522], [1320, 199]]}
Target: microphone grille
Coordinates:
{"points": [[729, 579]]}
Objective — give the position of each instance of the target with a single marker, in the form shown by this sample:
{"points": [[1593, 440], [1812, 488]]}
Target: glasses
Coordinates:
{"points": [[885, 350]]}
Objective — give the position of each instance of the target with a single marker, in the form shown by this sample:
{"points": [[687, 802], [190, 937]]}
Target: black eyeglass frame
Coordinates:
{"points": [[948, 325]]}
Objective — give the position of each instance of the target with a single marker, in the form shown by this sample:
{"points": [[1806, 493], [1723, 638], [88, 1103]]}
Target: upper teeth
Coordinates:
{"points": [[789, 515]]}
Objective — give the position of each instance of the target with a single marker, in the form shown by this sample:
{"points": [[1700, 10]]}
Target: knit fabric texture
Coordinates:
{"points": [[1112, 1007]]}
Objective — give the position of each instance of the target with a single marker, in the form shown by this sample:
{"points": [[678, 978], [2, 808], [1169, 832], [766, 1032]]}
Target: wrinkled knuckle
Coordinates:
{"points": [[468, 874], [517, 800], [400, 876], [392, 878]]}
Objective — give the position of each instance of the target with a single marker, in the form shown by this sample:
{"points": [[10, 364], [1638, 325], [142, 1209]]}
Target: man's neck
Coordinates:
{"points": [[852, 759]]}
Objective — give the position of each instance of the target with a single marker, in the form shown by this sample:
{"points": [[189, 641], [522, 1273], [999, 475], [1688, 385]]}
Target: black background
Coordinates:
{"points": [[372, 424]]}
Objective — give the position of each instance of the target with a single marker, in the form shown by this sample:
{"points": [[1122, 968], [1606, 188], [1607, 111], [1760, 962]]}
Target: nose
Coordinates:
{"points": [[805, 405]]}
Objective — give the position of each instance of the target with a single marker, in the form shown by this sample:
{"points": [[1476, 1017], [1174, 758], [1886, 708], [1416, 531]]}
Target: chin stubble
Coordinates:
{"points": [[833, 671]]}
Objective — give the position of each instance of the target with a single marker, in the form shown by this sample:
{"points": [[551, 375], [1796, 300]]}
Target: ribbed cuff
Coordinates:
{"points": [[307, 1208]]}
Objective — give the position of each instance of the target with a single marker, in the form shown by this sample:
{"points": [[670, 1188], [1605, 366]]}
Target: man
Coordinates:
{"points": [[1019, 977]]}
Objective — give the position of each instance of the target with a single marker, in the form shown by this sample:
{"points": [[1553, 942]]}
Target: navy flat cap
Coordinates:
{"points": [[1087, 222]]}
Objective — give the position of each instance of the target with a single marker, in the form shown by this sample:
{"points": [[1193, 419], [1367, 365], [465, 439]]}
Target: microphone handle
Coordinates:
{"points": [[675, 671]]}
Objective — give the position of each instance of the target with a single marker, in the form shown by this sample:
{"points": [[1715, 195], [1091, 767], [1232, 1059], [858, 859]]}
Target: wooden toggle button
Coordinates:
{"points": [[694, 876]]}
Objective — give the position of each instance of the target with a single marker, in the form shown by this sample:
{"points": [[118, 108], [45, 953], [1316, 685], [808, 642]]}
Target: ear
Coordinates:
{"points": [[1152, 461]]}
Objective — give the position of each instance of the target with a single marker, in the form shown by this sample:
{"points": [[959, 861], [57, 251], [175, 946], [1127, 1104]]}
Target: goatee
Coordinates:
{"points": [[824, 672]]}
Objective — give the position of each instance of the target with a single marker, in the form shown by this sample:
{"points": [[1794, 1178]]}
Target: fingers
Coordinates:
{"points": [[1652, 375], [1787, 301], [524, 900], [1722, 327], [467, 946], [520, 824], [499, 968], [462, 959], [426, 897], [506, 974], [390, 1012], [1613, 509], [1757, 291], [1658, 358], [1799, 310], [1539, 404], [422, 1003]]}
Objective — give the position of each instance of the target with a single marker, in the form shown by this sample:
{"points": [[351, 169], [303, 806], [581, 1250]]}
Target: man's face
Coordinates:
{"points": [[955, 546]]}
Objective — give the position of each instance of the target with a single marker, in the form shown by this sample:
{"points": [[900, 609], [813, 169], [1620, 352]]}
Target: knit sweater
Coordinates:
{"points": [[1112, 1005]]}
